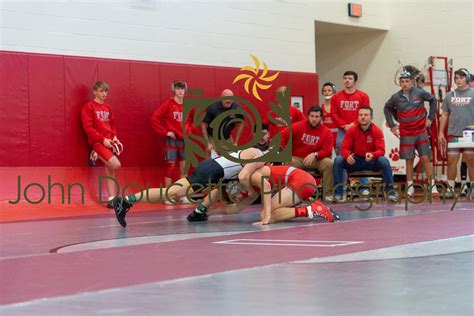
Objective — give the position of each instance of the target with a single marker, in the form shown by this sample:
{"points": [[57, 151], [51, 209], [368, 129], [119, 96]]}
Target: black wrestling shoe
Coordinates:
{"points": [[197, 217], [335, 215], [121, 207]]}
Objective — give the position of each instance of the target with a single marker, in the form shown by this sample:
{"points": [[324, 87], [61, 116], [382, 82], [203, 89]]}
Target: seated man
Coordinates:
{"points": [[212, 170], [312, 146], [294, 186], [363, 148]]}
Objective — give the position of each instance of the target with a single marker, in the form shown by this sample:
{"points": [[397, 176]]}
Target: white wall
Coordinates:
{"points": [[224, 33], [417, 30]]}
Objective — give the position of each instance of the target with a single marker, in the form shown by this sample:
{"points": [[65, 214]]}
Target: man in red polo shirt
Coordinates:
{"points": [[363, 148], [312, 146]]}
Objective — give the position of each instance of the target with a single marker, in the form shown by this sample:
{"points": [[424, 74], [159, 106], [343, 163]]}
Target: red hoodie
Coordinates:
{"points": [[168, 117], [307, 139], [295, 116], [359, 142], [344, 106], [328, 122], [98, 122]]}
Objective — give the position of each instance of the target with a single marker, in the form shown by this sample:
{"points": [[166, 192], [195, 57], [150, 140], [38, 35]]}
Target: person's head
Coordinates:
{"points": [[179, 88], [328, 90], [365, 115], [100, 90], [227, 93], [350, 78], [406, 80], [420, 81], [462, 78], [315, 114], [281, 89], [264, 141]]}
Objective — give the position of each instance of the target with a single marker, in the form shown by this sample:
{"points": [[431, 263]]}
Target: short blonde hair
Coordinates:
{"points": [[100, 84]]}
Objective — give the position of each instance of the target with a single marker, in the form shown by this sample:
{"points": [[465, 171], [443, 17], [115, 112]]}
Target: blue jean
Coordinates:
{"points": [[380, 164], [340, 136]]}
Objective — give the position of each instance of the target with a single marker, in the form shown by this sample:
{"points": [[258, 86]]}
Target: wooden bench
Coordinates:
{"points": [[357, 174]]}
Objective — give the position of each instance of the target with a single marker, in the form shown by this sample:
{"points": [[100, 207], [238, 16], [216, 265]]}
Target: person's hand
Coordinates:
{"points": [[309, 160], [265, 219], [369, 156], [252, 193], [442, 144], [428, 122], [210, 147], [396, 131], [348, 126], [115, 139], [107, 142], [171, 134], [350, 160]]}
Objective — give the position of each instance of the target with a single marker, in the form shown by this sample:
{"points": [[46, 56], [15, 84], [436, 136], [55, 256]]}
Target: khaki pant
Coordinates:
{"points": [[324, 166]]}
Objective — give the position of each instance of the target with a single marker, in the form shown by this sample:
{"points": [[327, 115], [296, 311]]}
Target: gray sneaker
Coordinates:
{"points": [[448, 194], [328, 199], [340, 198], [393, 197]]}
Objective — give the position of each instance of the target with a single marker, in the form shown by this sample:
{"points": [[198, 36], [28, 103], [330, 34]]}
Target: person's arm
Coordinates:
{"points": [[379, 144], [347, 143], [388, 110], [204, 127], [285, 136], [249, 168], [298, 115], [432, 100], [233, 208], [112, 124], [365, 100], [326, 149], [336, 118], [87, 117], [443, 122], [157, 122], [257, 180], [240, 128]]}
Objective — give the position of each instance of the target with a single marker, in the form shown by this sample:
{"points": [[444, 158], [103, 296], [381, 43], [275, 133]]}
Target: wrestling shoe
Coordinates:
{"points": [[121, 207], [321, 210], [197, 217], [110, 202]]}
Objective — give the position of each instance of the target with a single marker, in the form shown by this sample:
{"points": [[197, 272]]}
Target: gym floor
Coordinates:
{"points": [[385, 261]]}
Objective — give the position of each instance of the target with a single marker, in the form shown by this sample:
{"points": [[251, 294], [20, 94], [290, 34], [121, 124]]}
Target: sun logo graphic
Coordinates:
{"points": [[252, 78], [195, 109]]}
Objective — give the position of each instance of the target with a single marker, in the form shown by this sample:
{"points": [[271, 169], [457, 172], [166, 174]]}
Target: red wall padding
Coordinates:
{"points": [[14, 110], [41, 97]]}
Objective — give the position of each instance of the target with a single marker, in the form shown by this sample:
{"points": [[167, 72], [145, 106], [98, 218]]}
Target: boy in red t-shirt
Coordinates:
{"points": [[344, 110], [167, 121], [99, 125]]}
